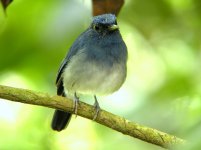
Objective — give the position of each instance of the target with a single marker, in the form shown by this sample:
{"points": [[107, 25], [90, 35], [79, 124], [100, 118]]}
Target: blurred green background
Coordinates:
{"points": [[163, 86]]}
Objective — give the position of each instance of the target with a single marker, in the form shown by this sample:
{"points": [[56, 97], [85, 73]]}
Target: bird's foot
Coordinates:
{"points": [[96, 107], [76, 103]]}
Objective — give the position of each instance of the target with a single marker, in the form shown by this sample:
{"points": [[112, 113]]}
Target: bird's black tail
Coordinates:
{"points": [[60, 120]]}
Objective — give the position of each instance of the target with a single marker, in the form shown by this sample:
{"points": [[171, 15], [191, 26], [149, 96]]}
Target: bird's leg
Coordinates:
{"points": [[97, 108], [75, 104]]}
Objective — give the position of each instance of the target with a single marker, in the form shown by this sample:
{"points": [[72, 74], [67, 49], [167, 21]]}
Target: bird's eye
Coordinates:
{"points": [[97, 28]]}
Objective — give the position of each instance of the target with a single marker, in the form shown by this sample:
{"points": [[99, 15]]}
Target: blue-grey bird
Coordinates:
{"points": [[95, 65]]}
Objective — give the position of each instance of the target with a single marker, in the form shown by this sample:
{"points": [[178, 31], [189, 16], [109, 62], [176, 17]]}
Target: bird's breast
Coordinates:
{"points": [[88, 75]]}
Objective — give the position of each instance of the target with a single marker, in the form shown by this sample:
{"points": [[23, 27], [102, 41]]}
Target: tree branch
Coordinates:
{"points": [[107, 6], [87, 111]]}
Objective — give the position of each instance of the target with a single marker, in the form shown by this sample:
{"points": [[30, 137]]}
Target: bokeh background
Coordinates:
{"points": [[162, 89]]}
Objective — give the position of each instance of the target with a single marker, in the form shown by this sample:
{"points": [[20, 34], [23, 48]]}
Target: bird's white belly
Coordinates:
{"points": [[92, 78]]}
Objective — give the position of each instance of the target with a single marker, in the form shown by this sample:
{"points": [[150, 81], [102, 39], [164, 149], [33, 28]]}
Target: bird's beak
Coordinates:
{"points": [[113, 27]]}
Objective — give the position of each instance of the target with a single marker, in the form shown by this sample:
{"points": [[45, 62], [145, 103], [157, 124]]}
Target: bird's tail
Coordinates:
{"points": [[60, 120]]}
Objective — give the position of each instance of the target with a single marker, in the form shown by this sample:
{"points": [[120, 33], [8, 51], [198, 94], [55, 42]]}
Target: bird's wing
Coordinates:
{"points": [[78, 44], [64, 64], [59, 79]]}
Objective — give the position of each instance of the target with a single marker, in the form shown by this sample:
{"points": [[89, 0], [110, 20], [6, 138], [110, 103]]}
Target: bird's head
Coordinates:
{"points": [[104, 23]]}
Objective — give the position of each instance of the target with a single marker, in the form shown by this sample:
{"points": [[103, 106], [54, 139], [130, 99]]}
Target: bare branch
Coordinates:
{"points": [[105, 118]]}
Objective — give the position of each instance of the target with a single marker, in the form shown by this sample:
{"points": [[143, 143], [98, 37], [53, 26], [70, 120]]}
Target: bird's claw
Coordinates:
{"points": [[96, 107], [75, 104]]}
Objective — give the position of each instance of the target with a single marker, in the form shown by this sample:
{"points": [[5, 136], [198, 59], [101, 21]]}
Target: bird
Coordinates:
{"points": [[94, 65]]}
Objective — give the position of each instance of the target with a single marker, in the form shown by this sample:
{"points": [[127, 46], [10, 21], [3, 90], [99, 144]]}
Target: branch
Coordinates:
{"points": [[87, 111], [107, 6]]}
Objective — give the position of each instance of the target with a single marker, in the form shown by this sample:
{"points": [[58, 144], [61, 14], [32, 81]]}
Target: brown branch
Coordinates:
{"points": [[105, 118], [107, 6]]}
